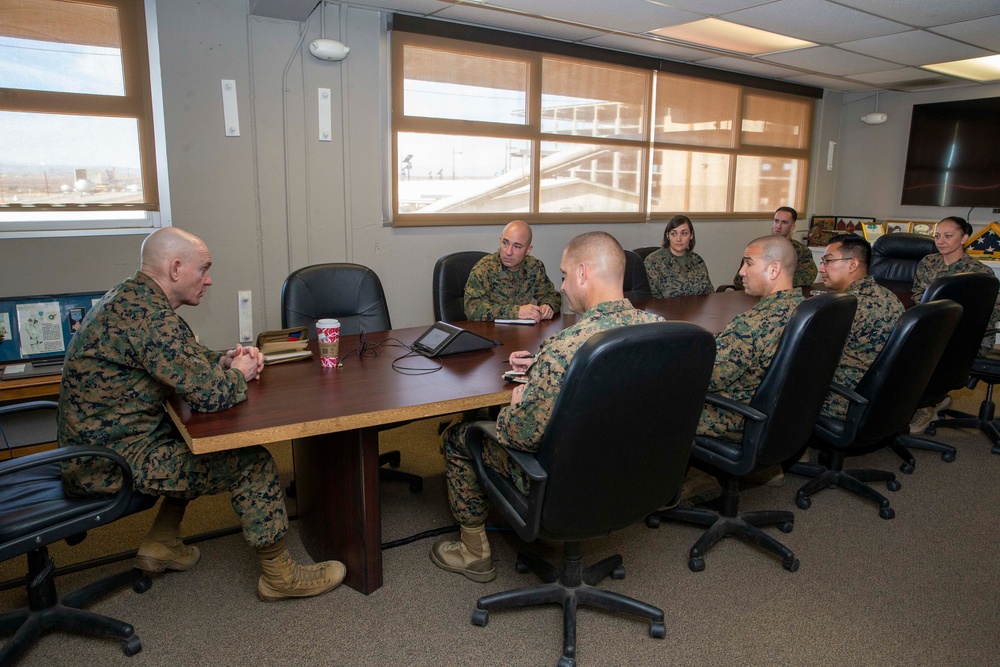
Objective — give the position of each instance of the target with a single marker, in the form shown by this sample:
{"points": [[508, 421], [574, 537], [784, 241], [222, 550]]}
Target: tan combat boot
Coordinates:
{"points": [[283, 578], [470, 556], [162, 549]]}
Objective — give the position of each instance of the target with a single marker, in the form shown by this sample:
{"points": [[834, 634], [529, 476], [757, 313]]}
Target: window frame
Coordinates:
{"points": [[482, 42], [141, 101]]}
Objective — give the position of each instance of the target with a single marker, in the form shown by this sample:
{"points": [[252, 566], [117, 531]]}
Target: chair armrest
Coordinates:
{"points": [[849, 394], [29, 406], [729, 404], [526, 521]]}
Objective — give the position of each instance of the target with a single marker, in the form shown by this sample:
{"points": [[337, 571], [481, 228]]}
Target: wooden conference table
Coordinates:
{"points": [[333, 417]]}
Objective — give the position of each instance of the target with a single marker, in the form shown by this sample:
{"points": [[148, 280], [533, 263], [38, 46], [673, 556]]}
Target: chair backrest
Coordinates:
{"points": [[797, 380], [636, 284], [351, 293], [896, 379], [451, 272], [977, 294], [646, 251], [617, 445], [895, 258]]}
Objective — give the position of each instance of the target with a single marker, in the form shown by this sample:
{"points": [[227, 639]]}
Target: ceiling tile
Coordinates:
{"points": [[518, 23], [627, 15], [915, 47], [651, 47], [895, 76], [927, 13], [981, 32], [828, 83], [748, 67], [422, 7], [828, 60], [814, 20], [707, 7]]}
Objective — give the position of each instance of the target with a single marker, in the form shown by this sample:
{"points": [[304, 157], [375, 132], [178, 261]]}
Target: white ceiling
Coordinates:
{"points": [[861, 44]]}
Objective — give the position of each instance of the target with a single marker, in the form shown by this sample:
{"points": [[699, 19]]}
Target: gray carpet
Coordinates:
{"points": [[921, 589]]}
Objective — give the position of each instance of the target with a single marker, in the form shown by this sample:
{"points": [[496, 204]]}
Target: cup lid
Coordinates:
{"points": [[328, 323]]}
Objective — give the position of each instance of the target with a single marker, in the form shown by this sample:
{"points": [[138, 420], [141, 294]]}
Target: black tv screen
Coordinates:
{"points": [[953, 157]]}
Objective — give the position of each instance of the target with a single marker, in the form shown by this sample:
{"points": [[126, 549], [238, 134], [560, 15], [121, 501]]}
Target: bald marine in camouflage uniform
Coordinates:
{"points": [[131, 352], [675, 269], [594, 268], [805, 267], [844, 268], [510, 283], [744, 349]]}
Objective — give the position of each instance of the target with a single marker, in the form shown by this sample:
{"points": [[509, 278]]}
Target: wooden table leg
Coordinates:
{"points": [[336, 477]]}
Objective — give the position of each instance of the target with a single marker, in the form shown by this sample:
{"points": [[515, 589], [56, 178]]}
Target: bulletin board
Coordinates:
{"points": [[38, 327]]}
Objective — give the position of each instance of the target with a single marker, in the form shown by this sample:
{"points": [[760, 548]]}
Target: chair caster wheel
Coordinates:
{"points": [[142, 584], [786, 526], [131, 646], [417, 487], [653, 521], [521, 567], [566, 662], [657, 629], [618, 572], [803, 503], [906, 468], [930, 430], [696, 564], [995, 449], [480, 617], [948, 457], [791, 565], [886, 513], [893, 485]]}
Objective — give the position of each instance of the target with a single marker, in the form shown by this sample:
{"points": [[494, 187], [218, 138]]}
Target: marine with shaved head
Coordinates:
{"points": [[131, 352], [593, 269]]}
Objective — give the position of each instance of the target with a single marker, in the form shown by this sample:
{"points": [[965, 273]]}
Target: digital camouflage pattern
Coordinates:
{"points": [[494, 292], [743, 351], [933, 266], [805, 271], [877, 314], [521, 426], [131, 352], [670, 275]]}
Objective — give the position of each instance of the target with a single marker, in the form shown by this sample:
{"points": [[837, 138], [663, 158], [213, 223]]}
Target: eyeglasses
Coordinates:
{"points": [[824, 261]]}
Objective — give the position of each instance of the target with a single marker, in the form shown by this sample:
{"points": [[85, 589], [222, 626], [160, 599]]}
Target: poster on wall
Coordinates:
{"points": [[40, 328]]}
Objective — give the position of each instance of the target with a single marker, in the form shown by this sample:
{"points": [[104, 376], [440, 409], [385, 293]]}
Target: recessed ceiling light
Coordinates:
{"points": [[727, 36], [986, 68]]}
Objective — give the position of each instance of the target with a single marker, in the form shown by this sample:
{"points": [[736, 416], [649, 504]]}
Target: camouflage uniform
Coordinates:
{"points": [[131, 352], [521, 426], [933, 266], [877, 314], [494, 292], [743, 352], [670, 275], [805, 272]]}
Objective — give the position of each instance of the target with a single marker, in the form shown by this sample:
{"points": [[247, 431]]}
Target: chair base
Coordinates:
{"points": [[728, 521], [571, 586], [46, 611], [853, 481], [985, 421], [904, 443]]}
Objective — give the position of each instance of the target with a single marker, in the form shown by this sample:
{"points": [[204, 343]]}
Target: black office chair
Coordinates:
{"points": [[451, 272], [880, 406], [636, 284], [895, 258], [779, 421], [353, 295], [607, 459], [646, 251], [977, 294], [34, 513], [985, 369]]}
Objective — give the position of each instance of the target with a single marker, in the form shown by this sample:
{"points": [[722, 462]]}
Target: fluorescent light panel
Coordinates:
{"points": [[719, 34], [986, 68]]}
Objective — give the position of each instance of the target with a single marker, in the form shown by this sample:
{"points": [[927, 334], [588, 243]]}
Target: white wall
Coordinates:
{"points": [[232, 190]]}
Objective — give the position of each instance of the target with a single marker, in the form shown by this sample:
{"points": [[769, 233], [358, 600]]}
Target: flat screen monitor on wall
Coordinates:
{"points": [[953, 157]]}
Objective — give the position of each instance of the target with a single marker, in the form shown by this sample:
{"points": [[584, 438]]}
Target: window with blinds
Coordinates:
{"points": [[480, 130], [76, 125]]}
